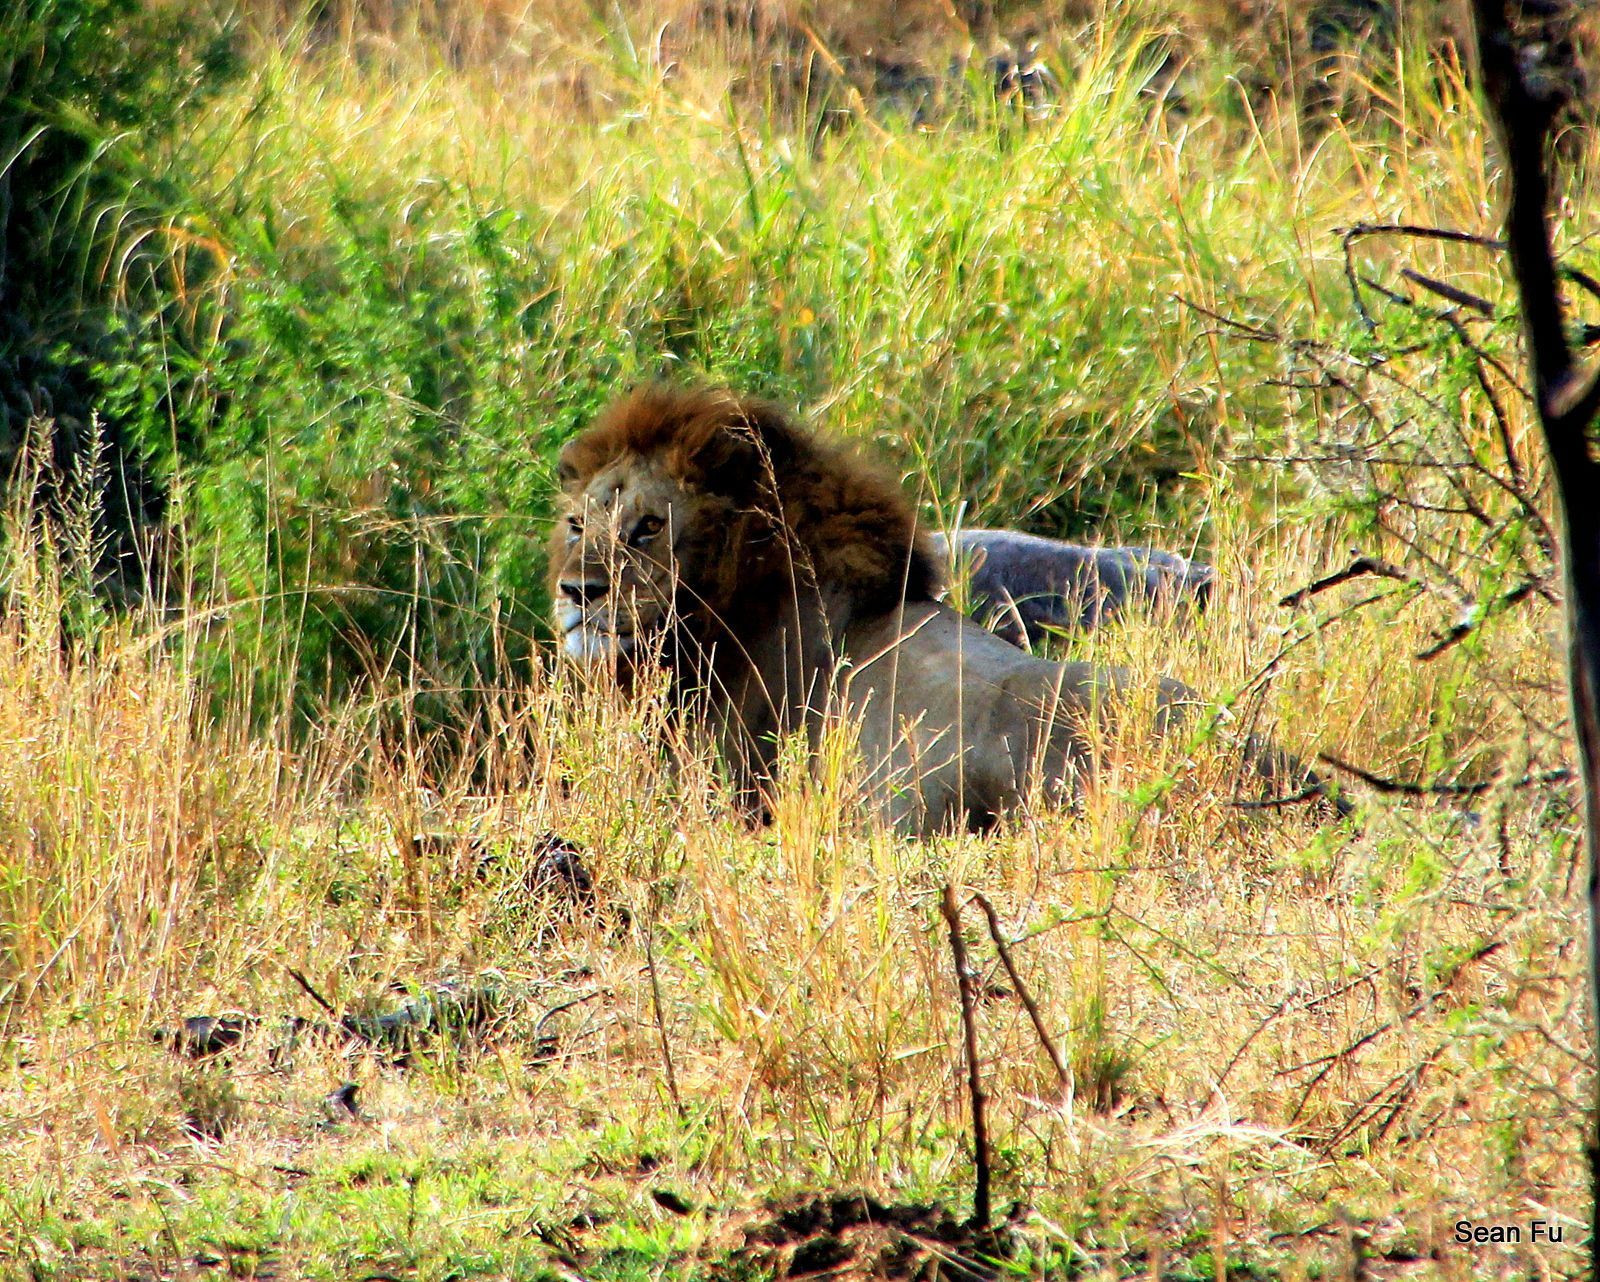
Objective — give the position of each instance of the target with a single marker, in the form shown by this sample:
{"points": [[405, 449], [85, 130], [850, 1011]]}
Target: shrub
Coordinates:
{"points": [[84, 87]]}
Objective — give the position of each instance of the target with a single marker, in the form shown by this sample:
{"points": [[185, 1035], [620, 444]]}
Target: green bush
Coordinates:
{"points": [[86, 87], [351, 364]]}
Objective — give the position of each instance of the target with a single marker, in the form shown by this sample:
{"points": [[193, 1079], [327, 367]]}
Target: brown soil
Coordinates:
{"points": [[852, 1235]]}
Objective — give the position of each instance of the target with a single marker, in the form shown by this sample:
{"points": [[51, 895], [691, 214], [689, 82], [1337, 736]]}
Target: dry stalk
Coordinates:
{"points": [[969, 1026], [1063, 1072], [661, 1020]]}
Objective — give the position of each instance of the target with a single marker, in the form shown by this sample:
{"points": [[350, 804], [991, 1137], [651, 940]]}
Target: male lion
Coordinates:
{"points": [[783, 581]]}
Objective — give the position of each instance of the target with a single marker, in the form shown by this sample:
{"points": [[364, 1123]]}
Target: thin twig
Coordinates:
{"points": [[1254, 332], [1418, 232], [1393, 1095], [1393, 295], [1460, 631], [1331, 1061], [1508, 448], [1028, 1004], [661, 1019], [311, 992], [1583, 280], [1254, 1033], [1349, 235], [1360, 566], [1461, 297], [969, 1026], [538, 1029], [1406, 788]]}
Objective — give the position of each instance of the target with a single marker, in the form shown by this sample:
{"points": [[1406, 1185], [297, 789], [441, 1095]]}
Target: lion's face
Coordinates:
{"points": [[617, 556]]}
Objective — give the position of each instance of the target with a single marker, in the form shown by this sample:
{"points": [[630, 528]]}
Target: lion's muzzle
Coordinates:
{"points": [[586, 615]]}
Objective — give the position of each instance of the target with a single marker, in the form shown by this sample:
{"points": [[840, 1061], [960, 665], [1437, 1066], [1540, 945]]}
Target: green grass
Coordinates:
{"points": [[420, 297], [403, 283]]}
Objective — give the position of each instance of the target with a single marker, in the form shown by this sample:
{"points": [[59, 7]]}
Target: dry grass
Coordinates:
{"points": [[1294, 1045], [1276, 1029]]}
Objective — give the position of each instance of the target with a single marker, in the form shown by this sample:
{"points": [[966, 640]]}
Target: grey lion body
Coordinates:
{"points": [[1022, 586]]}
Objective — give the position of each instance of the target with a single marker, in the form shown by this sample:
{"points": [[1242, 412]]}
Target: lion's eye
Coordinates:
{"points": [[647, 529], [574, 528]]}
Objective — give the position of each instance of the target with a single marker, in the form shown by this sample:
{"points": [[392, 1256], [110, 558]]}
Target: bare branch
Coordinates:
{"points": [[1508, 449], [311, 992], [1023, 995], [1583, 280], [1378, 287], [969, 1026], [1416, 231], [1253, 332], [1349, 235], [1404, 788], [1362, 565], [1308, 795], [1460, 297], [1459, 631], [1332, 1061]]}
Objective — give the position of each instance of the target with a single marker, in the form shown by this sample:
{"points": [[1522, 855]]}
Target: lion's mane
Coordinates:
{"points": [[795, 500]]}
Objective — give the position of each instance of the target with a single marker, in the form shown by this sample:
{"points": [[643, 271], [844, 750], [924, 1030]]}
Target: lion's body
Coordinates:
{"points": [[957, 725], [1024, 588], [785, 583]]}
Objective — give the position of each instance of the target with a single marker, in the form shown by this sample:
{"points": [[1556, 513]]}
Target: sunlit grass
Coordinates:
{"points": [[429, 273]]}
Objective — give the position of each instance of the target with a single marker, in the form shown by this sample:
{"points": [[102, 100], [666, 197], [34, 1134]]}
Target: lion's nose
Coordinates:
{"points": [[584, 591]]}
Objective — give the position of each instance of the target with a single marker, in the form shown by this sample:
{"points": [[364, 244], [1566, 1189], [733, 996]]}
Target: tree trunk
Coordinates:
{"points": [[1524, 101]]}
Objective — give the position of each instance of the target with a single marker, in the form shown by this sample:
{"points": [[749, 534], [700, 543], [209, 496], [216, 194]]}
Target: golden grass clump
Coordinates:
{"points": [[128, 814], [1295, 1048]]}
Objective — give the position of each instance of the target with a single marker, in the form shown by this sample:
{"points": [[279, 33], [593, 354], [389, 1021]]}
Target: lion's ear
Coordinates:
{"points": [[566, 469]]}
